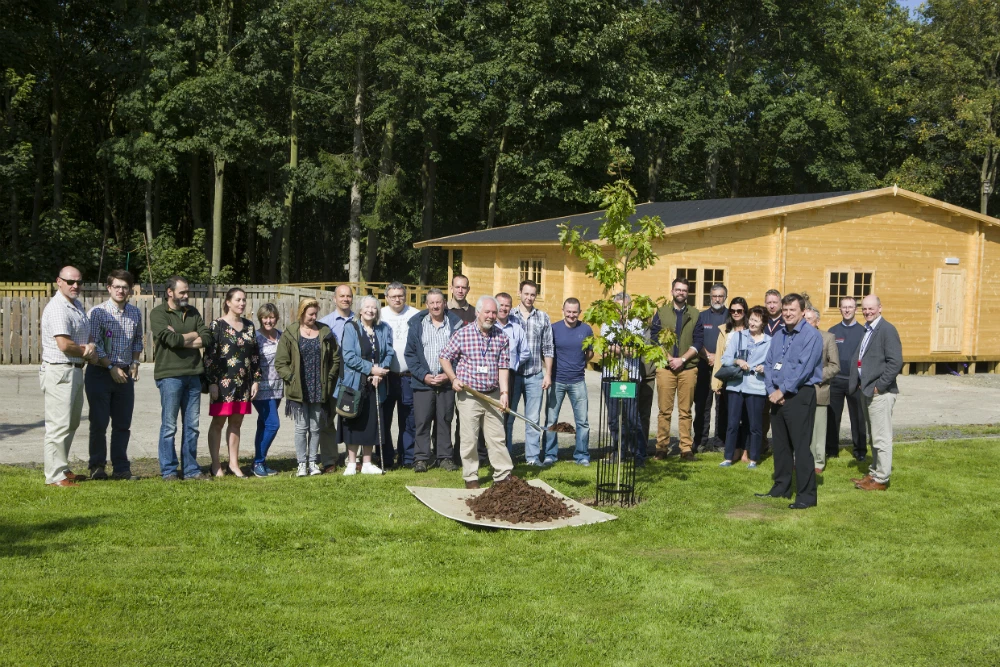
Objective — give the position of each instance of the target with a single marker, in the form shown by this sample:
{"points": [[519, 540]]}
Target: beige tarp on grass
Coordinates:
{"points": [[451, 503]]}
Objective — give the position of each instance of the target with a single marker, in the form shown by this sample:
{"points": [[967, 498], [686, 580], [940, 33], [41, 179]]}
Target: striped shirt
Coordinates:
{"points": [[480, 356], [617, 366], [538, 335], [434, 340], [519, 353], [63, 317], [271, 386], [117, 333]]}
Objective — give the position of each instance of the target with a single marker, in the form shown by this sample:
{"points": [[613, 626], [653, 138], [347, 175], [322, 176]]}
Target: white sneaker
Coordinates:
{"points": [[314, 469], [351, 469], [370, 469], [303, 471]]}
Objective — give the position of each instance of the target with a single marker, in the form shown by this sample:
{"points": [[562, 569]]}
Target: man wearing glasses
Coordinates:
{"points": [[400, 394], [110, 383], [66, 346], [709, 323]]}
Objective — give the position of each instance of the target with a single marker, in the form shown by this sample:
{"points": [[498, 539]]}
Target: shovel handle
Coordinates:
{"points": [[483, 397]]}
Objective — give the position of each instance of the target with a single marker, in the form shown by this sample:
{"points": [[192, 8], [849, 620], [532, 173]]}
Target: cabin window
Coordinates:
{"points": [[849, 283], [701, 280], [531, 269]]}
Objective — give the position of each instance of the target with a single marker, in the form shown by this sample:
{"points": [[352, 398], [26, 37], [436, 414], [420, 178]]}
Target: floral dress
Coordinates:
{"points": [[233, 363]]}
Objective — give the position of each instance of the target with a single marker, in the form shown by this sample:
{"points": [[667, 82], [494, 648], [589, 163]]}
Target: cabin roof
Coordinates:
{"points": [[681, 216]]}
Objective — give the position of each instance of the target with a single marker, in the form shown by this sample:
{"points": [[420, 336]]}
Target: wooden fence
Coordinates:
{"points": [[415, 294], [20, 319]]}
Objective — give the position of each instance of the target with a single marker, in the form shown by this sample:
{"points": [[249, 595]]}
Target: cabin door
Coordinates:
{"points": [[949, 299]]}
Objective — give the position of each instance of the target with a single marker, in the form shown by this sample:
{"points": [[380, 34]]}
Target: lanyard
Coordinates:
{"points": [[485, 347], [785, 344]]}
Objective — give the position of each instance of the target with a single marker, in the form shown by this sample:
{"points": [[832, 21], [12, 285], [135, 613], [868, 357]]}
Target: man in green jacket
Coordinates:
{"points": [[179, 336], [678, 379]]}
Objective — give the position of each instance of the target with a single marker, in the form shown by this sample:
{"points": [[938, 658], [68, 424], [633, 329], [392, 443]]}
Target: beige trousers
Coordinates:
{"points": [[818, 444], [670, 384], [62, 392], [476, 416], [878, 417]]}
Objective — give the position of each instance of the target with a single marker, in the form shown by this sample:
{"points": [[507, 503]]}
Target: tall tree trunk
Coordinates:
{"points": [[491, 213], [36, 205], [354, 260], [57, 152], [293, 161], [220, 172], [734, 178], [987, 176], [712, 173], [428, 177], [157, 198], [15, 225], [149, 212], [656, 147], [387, 171]]}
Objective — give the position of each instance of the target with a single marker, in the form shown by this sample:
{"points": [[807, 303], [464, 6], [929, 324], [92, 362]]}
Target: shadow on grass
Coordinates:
{"points": [[34, 539]]}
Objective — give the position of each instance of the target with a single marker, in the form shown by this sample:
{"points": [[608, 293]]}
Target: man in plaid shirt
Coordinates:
{"points": [[110, 383], [534, 377], [478, 355]]}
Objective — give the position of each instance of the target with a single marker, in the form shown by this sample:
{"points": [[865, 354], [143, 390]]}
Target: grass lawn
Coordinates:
{"points": [[333, 570]]}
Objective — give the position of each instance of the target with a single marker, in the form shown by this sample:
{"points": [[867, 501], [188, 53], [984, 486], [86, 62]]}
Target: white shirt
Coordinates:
{"points": [[400, 325]]}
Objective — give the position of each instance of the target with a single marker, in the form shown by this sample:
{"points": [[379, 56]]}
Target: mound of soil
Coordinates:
{"points": [[516, 501], [563, 427]]}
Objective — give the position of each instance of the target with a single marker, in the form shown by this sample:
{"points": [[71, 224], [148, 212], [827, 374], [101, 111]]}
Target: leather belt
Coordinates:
{"points": [[74, 364]]}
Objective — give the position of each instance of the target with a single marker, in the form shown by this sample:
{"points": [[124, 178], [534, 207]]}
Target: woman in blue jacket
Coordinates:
{"points": [[747, 349], [367, 350]]}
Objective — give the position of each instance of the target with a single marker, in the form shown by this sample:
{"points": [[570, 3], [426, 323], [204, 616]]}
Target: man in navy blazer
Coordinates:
{"points": [[874, 368], [433, 396]]}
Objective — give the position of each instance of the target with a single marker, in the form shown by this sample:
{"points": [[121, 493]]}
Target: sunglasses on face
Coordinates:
{"points": [[736, 311], [71, 283]]}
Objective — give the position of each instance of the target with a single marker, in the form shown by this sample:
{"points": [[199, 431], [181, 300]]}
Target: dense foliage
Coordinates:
{"points": [[314, 140]]}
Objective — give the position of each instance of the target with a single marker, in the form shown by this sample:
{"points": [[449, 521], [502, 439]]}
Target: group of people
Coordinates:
{"points": [[455, 367]]}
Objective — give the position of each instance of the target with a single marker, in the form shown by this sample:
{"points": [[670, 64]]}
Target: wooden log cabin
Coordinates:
{"points": [[935, 266]]}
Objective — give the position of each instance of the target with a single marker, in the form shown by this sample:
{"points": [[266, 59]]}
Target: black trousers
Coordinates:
{"points": [[437, 408], [838, 393], [112, 403], [792, 425], [646, 389], [703, 399]]}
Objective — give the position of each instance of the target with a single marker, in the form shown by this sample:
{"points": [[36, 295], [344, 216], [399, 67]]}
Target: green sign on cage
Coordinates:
{"points": [[623, 389]]}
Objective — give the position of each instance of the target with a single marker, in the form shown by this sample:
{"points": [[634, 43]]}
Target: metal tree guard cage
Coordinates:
{"points": [[619, 430]]}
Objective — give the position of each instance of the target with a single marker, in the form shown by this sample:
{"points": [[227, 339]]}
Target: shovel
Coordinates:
{"points": [[499, 406]]}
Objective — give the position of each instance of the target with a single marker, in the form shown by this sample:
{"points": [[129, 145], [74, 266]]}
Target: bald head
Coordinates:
{"points": [[871, 308], [69, 281], [344, 296]]}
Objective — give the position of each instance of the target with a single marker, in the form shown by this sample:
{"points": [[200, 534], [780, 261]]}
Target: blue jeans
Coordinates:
{"points": [[626, 411], [531, 388], [399, 396], [181, 394], [753, 422], [577, 392], [268, 423]]}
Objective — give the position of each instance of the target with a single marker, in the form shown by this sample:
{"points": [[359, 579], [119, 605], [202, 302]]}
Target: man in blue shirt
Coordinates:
{"points": [[329, 451], [793, 368], [569, 369]]}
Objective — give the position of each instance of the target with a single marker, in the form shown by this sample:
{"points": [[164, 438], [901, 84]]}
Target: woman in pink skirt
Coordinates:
{"points": [[232, 365]]}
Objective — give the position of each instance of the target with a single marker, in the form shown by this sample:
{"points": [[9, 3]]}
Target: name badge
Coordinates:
{"points": [[777, 366], [708, 326], [839, 341], [859, 363], [482, 370]]}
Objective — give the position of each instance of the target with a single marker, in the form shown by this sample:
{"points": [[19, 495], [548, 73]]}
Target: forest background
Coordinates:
{"points": [[298, 140]]}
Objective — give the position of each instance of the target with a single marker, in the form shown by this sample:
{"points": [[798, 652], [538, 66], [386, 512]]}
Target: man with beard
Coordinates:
{"points": [[179, 336]]}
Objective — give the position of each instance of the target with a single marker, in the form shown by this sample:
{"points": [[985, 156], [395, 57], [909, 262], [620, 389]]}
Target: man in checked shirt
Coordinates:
{"points": [[478, 355], [116, 326], [533, 379]]}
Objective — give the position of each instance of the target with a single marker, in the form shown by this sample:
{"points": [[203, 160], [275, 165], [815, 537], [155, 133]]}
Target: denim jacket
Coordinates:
{"points": [[355, 367], [743, 345]]}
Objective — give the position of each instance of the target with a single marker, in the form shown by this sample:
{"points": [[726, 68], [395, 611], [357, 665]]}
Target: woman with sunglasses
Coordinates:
{"points": [[747, 349], [736, 320]]}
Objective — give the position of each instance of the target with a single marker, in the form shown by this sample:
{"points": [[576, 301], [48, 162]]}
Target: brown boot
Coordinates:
{"points": [[688, 456], [660, 455], [866, 478], [872, 485], [472, 485]]}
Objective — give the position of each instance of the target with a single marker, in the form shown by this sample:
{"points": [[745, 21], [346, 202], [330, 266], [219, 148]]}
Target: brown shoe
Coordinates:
{"points": [[73, 477], [330, 469], [872, 485], [866, 478], [660, 456], [688, 456], [472, 485], [63, 482]]}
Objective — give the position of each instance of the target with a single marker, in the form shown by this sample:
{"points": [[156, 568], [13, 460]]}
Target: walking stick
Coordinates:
{"points": [[378, 421]]}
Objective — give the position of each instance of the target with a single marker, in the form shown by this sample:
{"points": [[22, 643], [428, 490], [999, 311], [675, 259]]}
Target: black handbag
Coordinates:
{"points": [[348, 398], [727, 373]]}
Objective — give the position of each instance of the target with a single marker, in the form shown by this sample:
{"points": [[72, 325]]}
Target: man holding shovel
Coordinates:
{"points": [[478, 358]]}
